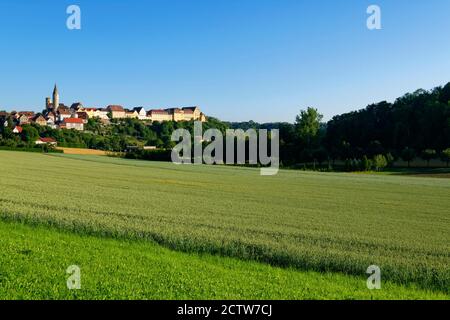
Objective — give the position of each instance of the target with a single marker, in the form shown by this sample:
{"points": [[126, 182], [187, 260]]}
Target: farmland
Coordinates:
{"points": [[306, 223], [34, 262]]}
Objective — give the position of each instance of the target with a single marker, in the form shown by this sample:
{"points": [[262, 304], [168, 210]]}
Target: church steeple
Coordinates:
{"points": [[55, 98]]}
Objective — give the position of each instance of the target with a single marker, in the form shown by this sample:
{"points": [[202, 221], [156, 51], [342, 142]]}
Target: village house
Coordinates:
{"points": [[96, 113], [142, 114], [17, 129], [77, 107], [117, 112], [48, 141], [23, 119], [82, 115], [131, 114], [63, 113], [102, 114], [91, 112], [177, 114], [51, 116], [40, 120], [159, 115], [51, 123], [192, 113], [73, 123]]}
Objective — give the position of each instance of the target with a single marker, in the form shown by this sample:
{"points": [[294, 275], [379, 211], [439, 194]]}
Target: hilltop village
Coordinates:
{"points": [[59, 116]]}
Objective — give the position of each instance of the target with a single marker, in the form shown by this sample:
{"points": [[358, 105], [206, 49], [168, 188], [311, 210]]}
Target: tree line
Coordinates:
{"points": [[415, 125]]}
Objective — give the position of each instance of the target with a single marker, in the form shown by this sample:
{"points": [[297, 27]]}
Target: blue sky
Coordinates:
{"points": [[237, 59]]}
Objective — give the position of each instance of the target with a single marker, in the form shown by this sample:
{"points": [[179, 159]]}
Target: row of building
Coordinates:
{"points": [[61, 113], [58, 115]]}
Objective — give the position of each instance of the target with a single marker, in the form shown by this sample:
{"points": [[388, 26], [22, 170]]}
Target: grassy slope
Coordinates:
{"points": [[323, 222], [33, 263]]}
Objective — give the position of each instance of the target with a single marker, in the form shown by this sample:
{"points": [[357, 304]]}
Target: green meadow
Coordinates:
{"points": [[158, 230]]}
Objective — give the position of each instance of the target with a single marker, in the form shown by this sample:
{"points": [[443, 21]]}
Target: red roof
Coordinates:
{"points": [[160, 111], [47, 140], [73, 120], [19, 128], [116, 108]]}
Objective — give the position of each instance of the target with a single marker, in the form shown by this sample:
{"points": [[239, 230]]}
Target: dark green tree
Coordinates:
{"points": [[408, 155], [428, 155], [445, 156]]}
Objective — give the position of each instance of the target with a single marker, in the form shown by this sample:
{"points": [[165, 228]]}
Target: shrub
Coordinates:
{"points": [[366, 164], [379, 162]]}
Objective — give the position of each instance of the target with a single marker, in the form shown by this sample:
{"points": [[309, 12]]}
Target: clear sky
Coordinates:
{"points": [[237, 59]]}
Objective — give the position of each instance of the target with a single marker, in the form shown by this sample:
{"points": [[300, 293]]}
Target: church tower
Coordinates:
{"points": [[55, 99]]}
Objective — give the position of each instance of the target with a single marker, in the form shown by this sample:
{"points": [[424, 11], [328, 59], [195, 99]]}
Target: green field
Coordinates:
{"points": [[34, 263], [322, 229]]}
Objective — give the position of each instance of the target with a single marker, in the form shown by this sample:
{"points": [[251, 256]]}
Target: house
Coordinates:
{"points": [[73, 123], [142, 115], [177, 114], [102, 114], [28, 114], [63, 113], [192, 113], [96, 113], [117, 112], [51, 123], [49, 141], [40, 120], [131, 114], [17, 129], [159, 115], [23, 119], [91, 112], [51, 116], [77, 107], [82, 115]]}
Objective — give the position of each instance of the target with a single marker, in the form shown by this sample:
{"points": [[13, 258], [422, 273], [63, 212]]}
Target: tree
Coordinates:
{"points": [[320, 155], [366, 163], [379, 162], [428, 154], [408, 155], [445, 156], [29, 134], [390, 159], [307, 125]]}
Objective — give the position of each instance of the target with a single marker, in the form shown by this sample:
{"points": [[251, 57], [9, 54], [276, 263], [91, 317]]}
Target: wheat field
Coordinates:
{"points": [[322, 222]]}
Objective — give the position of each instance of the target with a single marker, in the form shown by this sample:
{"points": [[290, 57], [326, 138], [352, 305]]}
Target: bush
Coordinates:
{"points": [[365, 164], [34, 149], [150, 155], [379, 162]]}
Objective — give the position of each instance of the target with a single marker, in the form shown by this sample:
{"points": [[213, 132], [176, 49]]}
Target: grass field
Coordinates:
{"points": [[34, 262], [335, 224]]}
